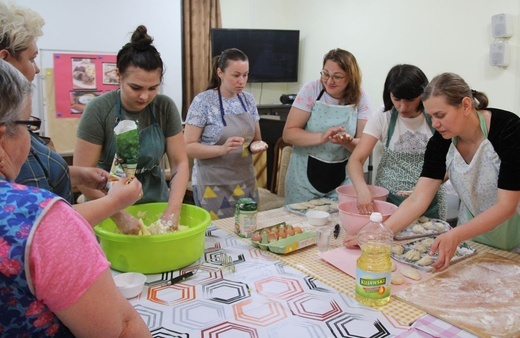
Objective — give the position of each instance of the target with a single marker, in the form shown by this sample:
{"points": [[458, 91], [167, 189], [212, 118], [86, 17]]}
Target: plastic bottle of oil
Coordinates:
{"points": [[374, 267]]}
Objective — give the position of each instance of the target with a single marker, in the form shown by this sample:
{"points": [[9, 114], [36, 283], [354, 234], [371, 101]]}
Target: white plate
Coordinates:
{"points": [[322, 204]]}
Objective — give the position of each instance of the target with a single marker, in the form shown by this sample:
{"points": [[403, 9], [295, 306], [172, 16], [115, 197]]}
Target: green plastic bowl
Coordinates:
{"points": [[155, 253]]}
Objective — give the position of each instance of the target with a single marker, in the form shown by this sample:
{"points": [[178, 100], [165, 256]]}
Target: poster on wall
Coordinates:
{"points": [[78, 78]]}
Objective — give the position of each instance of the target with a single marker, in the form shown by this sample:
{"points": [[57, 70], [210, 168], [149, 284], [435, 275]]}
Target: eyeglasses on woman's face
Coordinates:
{"points": [[326, 76], [33, 124]]}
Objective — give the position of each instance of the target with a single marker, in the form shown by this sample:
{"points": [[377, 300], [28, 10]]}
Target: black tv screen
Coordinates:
{"points": [[272, 54]]}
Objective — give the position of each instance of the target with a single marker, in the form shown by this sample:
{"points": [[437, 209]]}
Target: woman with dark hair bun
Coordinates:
{"points": [[140, 71], [404, 130], [222, 132]]}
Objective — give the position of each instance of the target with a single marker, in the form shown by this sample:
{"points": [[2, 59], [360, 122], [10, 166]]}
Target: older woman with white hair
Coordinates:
{"points": [[53, 274]]}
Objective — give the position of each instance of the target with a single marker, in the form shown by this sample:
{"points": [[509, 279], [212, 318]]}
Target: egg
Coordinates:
{"points": [[298, 230], [282, 234], [290, 232], [272, 237], [256, 237]]}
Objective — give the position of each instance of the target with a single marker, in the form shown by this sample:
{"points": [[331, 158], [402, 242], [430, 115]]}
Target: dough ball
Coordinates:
{"points": [[412, 255], [411, 273], [397, 249], [423, 219], [397, 278], [257, 146]]}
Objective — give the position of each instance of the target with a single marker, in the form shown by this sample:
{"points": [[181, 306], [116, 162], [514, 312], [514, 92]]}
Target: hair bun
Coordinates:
{"points": [[140, 39]]}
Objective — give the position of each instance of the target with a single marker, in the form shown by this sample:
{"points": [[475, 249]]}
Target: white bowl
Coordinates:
{"points": [[317, 217], [130, 284]]}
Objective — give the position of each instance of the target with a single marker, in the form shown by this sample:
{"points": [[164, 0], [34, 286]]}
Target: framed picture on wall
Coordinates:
{"points": [[79, 99], [84, 73], [109, 73]]}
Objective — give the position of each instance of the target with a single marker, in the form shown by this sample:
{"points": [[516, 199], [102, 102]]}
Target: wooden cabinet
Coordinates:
{"points": [[272, 121]]}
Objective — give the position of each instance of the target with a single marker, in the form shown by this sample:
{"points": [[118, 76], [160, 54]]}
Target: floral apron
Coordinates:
{"points": [[316, 171], [476, 184], [152, 148], [222, 180], [400, 170]]}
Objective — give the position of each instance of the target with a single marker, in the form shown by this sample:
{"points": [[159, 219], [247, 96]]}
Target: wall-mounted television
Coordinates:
{"points": [[272, 53]]}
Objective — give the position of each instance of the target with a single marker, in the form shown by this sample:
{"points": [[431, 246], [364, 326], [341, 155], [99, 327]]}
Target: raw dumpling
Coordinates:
{"points": [[397, 249], [423, 219], [397, 278], [428, 225], [411, 273], [439, 226], [412, 255], [418, 229], [394, 267], [427, 242], [425, 261], [420, 247]]}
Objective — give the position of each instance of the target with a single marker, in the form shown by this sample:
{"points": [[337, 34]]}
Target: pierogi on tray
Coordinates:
{"points": [[322, 204], [423, 227]]}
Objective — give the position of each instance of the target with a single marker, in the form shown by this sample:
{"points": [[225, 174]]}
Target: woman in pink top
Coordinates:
{"points": [[54, 278]]}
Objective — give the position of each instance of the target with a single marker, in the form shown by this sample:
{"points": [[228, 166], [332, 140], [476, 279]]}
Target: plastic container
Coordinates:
{"points": [[374, 266], [317, 217], [130, 284], [348, 192], [245, 217], [351, 220], [155, 253]]}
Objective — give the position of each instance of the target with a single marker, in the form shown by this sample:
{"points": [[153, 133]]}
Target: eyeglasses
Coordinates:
{"points": [[326, 76], [33, 124]]}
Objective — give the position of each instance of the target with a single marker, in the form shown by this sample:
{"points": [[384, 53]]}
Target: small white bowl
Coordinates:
{"points": [[130, 284], [317, 217]]}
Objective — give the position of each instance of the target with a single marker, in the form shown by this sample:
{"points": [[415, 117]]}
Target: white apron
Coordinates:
{"points": [[316, 171], [476, 184]]}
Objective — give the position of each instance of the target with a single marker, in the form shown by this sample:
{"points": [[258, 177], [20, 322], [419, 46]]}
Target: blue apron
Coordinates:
{"points": [[316, 171]]}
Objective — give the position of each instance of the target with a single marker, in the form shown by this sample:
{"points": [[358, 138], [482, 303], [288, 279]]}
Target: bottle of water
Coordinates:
{"points": [[374, 267]]}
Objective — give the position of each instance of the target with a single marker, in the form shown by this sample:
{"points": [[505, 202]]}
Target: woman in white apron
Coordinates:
{"points": [[221, 133], [323, 125], [404, 130], [478, 147]]}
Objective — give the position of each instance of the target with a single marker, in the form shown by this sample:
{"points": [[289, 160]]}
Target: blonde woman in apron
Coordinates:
{"points": [[479, 147], [404, 130], [221, 133], [323, 125]]}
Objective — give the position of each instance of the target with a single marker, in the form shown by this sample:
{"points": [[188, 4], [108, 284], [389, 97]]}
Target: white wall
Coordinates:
{"points": [[105, 26], [437, 36]]}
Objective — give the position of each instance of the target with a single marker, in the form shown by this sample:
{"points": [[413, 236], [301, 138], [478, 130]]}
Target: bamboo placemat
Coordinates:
{"points": [[308, 261]]}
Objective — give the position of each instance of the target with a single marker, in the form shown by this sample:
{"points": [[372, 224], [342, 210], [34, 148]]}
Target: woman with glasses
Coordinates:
{"points": [[44, 168], [53, 273], [404, 130], [324, 125], [478, 148], [140, 72]]}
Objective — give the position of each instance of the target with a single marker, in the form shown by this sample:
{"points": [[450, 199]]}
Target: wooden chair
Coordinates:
{"points": [[274, 197]]}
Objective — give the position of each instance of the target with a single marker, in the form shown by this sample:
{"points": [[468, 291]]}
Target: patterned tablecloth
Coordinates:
{"points": [[263, 294]]}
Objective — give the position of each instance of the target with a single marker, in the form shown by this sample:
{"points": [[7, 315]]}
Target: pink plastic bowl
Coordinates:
{"points": [[352, 221], [348, 192]]}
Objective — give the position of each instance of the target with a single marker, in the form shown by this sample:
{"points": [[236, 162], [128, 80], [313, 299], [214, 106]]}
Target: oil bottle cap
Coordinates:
{"points": [[376, 217]]}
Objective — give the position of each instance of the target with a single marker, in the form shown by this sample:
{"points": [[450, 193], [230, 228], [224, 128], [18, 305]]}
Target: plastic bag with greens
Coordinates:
{"points": [[127, 148]]}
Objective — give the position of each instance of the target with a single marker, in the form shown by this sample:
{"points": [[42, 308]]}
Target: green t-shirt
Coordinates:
{"points": [[98, 120]]}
